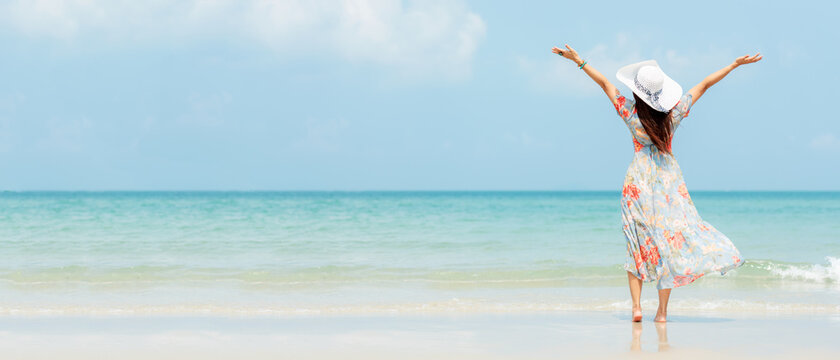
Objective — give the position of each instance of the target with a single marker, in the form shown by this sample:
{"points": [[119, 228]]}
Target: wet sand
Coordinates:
{"points": [[572, 334]]}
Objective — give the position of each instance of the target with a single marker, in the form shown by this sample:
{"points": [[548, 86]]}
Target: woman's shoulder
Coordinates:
{"points": [[683, 106], [624, 106], [622, 100]]}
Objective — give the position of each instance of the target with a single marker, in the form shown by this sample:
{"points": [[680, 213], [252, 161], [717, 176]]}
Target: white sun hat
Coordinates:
{"points": [[651, 84]]}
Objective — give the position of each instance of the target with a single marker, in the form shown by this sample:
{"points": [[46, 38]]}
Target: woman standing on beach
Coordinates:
{"points": [[667, 240]]}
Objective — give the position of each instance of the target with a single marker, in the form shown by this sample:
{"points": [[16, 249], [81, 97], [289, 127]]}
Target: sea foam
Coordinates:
{"points": [[812, 272]]}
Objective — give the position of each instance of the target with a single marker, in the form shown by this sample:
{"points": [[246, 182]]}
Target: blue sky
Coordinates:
{"points": [[403, 95]]}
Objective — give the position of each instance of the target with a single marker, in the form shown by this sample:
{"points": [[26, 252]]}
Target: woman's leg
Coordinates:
{"points": [[635, 295], [662, 312]]}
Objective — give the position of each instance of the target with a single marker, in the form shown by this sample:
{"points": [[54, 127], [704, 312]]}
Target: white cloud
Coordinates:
{"points": [[825, 142], [554, 73], [558, 73], [426, 36]]}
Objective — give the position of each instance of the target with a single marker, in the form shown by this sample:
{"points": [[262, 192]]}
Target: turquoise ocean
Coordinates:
{"points": [[287, 253]]}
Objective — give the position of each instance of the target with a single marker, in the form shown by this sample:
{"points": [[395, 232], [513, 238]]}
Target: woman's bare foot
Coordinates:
{"points": [[662, 311], [637, 313], [660, 316]]}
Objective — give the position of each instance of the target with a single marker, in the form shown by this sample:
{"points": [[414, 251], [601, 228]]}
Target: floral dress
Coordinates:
{"points": [[667, 241]]}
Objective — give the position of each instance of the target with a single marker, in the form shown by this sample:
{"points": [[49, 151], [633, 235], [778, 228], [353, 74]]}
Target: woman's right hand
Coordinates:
{"points": [[568, 53], [746, 59]]}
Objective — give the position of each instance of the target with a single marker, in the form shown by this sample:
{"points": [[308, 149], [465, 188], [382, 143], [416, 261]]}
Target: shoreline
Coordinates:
{"points": [[731, 308]]}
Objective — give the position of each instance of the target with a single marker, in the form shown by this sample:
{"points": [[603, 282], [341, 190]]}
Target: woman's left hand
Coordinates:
{"points": [[747, 59], [567, 53]]}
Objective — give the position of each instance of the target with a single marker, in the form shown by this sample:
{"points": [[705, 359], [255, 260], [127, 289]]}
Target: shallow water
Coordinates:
{"points": [[337, 252]]}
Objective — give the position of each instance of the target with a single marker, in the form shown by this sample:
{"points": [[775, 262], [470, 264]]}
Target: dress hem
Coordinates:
{"points": [[722, 271]]}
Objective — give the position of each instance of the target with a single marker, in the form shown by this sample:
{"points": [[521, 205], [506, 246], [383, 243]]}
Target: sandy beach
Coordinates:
{"points": [[597, 335]]}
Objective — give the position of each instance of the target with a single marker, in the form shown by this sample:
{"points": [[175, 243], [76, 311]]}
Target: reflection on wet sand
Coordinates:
{"points": [[661, 333]]}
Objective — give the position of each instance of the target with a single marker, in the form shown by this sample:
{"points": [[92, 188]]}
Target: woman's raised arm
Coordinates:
{"points": [[599, 78], [698, 90]]}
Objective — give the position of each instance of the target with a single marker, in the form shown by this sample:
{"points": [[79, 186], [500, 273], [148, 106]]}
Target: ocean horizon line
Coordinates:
{"points": [[395, 191]]}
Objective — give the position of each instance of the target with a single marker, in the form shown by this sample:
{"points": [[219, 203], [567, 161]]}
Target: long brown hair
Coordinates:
{"points": [[657, 125]]}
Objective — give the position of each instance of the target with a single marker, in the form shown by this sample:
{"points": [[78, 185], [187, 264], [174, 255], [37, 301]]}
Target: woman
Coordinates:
{"points": [[667, 241]]}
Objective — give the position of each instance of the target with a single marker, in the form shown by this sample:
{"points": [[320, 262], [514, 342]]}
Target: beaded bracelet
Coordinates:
{"points": [[581, 65]]}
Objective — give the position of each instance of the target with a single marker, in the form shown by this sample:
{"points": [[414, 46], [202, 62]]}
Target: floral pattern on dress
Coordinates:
{"points": [[667, 240]]}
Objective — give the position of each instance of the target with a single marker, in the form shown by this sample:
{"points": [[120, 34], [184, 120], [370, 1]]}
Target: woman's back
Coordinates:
{"points": [[626, 109]]}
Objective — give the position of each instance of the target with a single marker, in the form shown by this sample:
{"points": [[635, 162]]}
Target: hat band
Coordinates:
{"points": [[654, 96]]}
